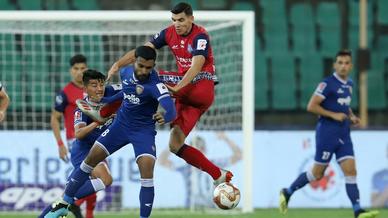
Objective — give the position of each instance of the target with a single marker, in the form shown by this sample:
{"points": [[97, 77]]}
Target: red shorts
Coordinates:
{"points": [[191, 102]]}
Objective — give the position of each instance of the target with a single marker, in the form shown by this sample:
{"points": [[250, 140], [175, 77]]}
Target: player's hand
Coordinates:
{"points": [[2, 116], [339, 116], [355, 120], [158, 117], [63, 153], [172, 89], [112, 71]]}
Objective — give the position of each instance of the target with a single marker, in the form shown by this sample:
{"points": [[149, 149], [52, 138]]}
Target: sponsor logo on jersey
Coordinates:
{"points": [[189, 49], [340, 91], [139, 89], [77, 115], [344, 101], [58, 99], [162, 88], [132, 98]]}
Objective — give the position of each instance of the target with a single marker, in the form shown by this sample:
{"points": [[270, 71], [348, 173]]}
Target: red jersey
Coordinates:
{"points": [[185, 47], [65, 103]]}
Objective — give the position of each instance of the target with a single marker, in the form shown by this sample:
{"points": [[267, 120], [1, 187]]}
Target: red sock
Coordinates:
{"points": [[196, 158], [90, 205], [110, 109], [79, 202]]}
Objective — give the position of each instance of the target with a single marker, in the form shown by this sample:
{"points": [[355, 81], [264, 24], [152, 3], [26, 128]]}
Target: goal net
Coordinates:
{"points": [[36, 47]]}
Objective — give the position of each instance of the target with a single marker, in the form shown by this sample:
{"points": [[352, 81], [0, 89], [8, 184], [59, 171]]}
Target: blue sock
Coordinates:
{"points": [[45, 211], [78, 178], [301, 181], [353, 193], [89, 187], [146, 197]]}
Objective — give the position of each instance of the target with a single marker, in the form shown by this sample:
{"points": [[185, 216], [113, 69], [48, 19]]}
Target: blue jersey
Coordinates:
{"points": [[337, 95], [81, 147], [333, 137], [141, 99]]}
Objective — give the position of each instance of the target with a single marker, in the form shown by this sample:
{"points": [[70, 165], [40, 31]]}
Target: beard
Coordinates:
{"points": [[142, 78]]}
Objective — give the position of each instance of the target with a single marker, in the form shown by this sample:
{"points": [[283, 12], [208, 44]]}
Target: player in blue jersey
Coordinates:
{"points": [[135, 124], [86, 133], [331, 101], [4, 102]]}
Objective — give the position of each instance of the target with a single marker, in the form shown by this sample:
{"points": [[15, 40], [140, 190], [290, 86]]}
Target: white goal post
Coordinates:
{"points": [[139, 23]]}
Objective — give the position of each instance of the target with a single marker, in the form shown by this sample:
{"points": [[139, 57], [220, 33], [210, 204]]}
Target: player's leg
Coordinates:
{"points": [[146, 165], [345, 157], [145, 152], [323, 155], [193, 101]]}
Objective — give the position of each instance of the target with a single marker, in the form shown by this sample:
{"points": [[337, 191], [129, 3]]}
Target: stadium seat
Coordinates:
{"points": [[92, 47], [86, 5], [303, 31], [261, 80], [328, 18], [193, 3], [382, 16], [30, 5], [6, 5], [243, 6], [11, 72], [376, 86], [35, 65], [283, 82], [311, 73]]}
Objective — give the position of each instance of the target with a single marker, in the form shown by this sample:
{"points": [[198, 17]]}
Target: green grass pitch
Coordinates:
{"points": [[258, 213]]}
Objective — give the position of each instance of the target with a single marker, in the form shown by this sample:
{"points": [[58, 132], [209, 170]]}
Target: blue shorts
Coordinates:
{"points": [[78, 153], [118, 135], [332, 142]]}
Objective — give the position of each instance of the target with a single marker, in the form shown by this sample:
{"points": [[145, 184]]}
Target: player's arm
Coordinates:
{"points": [[128, 58], [197, 63], [355, 120], [170, 112], [236, 151], [55, 122], [82, 130], [4, 102], [314, 106]]}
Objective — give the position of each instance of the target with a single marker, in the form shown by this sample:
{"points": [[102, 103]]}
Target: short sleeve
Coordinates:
{"points": [[60, 102], [79, 117], [159, 91], [322, 89], [200, 45], [159, 39]]}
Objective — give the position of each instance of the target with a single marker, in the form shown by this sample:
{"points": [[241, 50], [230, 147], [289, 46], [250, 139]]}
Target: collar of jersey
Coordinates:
{"points": [[339, 78]]}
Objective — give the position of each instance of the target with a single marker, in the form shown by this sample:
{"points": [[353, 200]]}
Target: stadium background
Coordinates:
{"points": [[295, 41]]}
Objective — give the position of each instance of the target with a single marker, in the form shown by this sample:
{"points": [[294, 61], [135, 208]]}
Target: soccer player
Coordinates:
{"points": [[331, 101], [4, 102], [192, 86], [135, 124], [86, 133], [65, 107]]}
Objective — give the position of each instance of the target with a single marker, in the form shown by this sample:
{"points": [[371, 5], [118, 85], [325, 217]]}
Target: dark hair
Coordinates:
{"points": [[182, 7], [343, 52], [92, 74], [145, 52], [76, 59]]}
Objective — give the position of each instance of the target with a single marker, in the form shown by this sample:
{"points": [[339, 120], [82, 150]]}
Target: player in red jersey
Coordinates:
{"points": [[65, 106], [4, 102], [192, 86]]}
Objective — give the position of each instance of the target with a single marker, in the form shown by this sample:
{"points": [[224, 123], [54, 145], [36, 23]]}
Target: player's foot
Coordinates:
{"points": [[366, 214], [283, 201], [76, 210], [226, 176], [59, 211], [93, 111]]}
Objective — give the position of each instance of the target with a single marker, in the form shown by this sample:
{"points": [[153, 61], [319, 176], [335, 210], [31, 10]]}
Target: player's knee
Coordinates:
{"points": [[174, 148], [350, 172]]}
